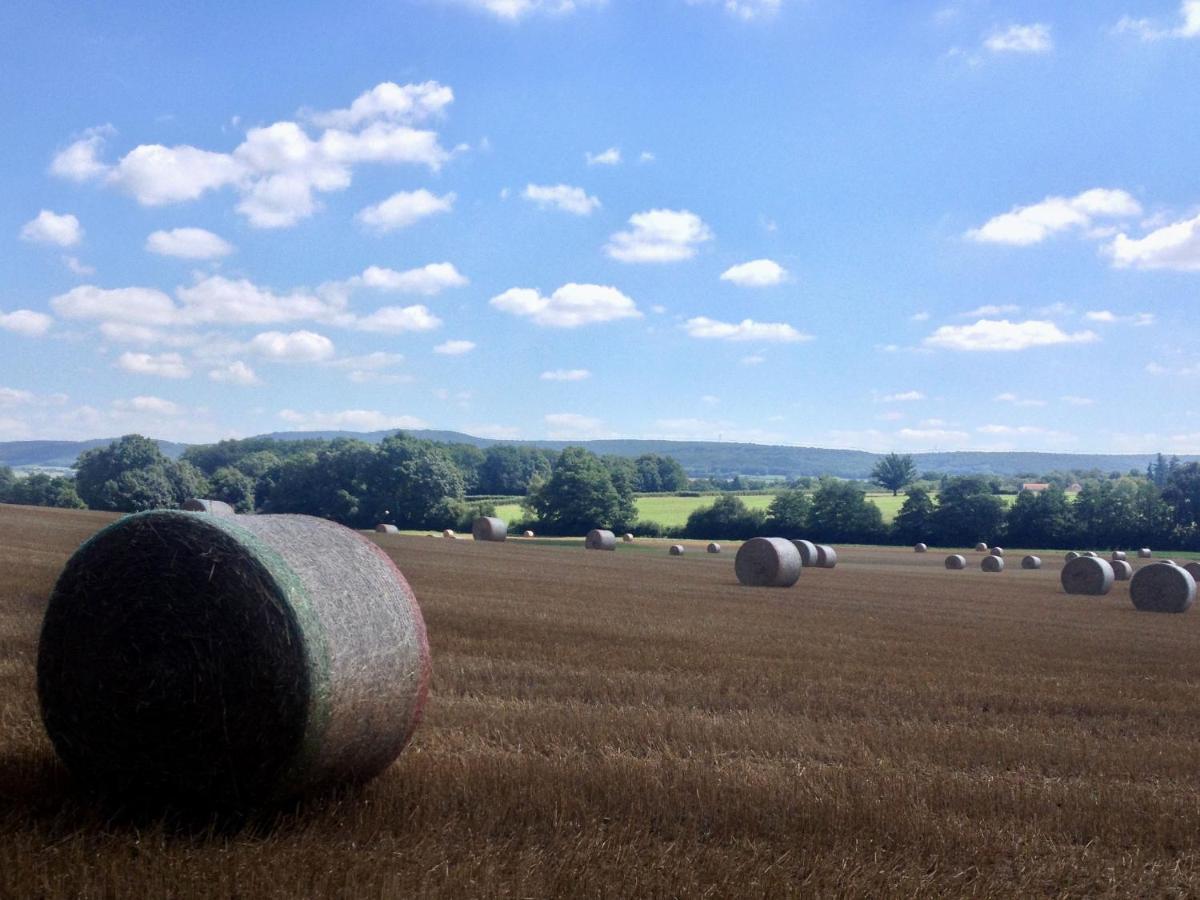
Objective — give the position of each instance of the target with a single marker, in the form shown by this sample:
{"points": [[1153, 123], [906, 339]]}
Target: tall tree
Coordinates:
{"points": [[841, 512], [578, 496], [894, 472], [914, 522], [132, 474], [788, 513], [967, 512]]}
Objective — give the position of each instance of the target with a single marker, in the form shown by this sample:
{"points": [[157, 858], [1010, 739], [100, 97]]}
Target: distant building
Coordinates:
{"points": [[1075, 488], [1035, 486]]}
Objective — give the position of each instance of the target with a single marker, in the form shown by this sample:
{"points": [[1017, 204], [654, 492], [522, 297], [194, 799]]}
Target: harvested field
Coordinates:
{"points": [[627, 724]]}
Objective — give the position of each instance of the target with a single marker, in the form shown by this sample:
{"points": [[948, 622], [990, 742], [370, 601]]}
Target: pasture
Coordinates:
{"points": [[633, 724]]}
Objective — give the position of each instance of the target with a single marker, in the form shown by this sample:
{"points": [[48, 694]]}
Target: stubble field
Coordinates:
{"points": [[632, 724]]}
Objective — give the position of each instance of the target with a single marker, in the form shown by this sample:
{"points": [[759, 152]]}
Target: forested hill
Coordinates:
{"points": [[697, 457]]}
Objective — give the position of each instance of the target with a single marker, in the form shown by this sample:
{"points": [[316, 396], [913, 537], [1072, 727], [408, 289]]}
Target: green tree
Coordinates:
{"points": [[967, 512], [728, 517], [132, 474], [412, 483], [233, 486], [578, 496], [894, 472], [508, 470], [7, 479], [1041, 519], [469, 459], [42, 490], [841, 512], [914, 522], [329, 483], [788, 513]]}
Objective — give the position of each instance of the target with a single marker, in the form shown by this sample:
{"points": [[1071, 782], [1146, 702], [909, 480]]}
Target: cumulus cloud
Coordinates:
{"points": [[1149, 30], [609, 157], [428, 280], [398, 319], [1108, 317], [403, 209], [1009, 397], [902, 397], [295, 347], [563, 197], [26, 322], [349, 419], [454, 348], [188, 243], [571, 306], [566, 375], [163, 365], [1033, 38], [220, 300], [1025, 225], [990, 309], [236, 372], [1175, 246], [388, 102], [77, 267], [80, 160], [659, 236], [135, 305], [746, 330], [146, 404], [756, 273], [1003, 335], [53, 228]]}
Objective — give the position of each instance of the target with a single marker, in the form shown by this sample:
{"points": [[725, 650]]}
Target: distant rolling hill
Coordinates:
{"points": [[697, 457]]}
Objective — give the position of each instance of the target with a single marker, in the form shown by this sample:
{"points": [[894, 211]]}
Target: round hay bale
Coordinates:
{"points": [[1087, 575], [1169, 562], [599, 539], [826, 556], [768, 562], [528, 534], [1031, 562], [1122, 571], [214, 661], [714, 547], [449, 533], [992, 563], [1071, 554], [956, 561], [214, 507], [1193, 569], [981, 547], [1163, 588], [807, 551], [489, 528], [1091, 554], [677, 549], [387, 529], [920, 548], [627, 538], [1145, 553], [997, 551], [1118, 555]]}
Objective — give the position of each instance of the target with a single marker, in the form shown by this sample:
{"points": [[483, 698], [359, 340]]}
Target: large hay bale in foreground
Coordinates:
{"points": [[992, 563], [383, 528], [1163, 588], [1145, 553], [956, 561], [677, 549], [1122, 571], [1118, 555], [489, 528], [214, 507], [714, 547], [1087, 575], [807, 551], [997, 551], [826, 557], [981, 547], [920, 548], [222, 662], [599, 539], [768, 562], [1031, 562]]}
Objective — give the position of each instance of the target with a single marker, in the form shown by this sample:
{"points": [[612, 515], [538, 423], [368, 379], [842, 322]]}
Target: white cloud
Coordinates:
{"points": [[135, 305], [152, 405], [991, 310], [78, 267], [296, 347], [1026, 225], [746, 10], [1108, 317], [428, 280], [26, 322], [756, 273], [609, 157], [221, 300], [569, 426], [566, 375], [79, 162], [993, 334], [371, 361], [919, 317], [52, 228], [188, 243], [1148, 30], [514, 10], [398, 319], [903, 397], [646, 157], [350, 419], [563, 197], [390, 102], [163, 365], [571, 306], [236, 372], [746, 330], [1033, 38], [454, 348], [495, 432], [15, 397], [1012, 398], [156, 175], [1175, 246], [403, 209], [659, 236]]}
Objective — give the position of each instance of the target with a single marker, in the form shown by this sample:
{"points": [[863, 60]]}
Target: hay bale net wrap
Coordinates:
{"points": [[1031, 562], [956, 561], [1145, 553], [1163, 588], [677, 549], [981, 547], [600, 539], [1118, 555], [228, 661], [1087, 575], [489, 528], [997, 551], [920, 548], [387, 529], [807, 551], [1122, 571], [213, 507], [768, 562], [826, 557], [992, 564], [714, 547]]}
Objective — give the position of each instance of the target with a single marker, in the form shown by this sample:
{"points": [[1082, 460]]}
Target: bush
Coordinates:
{"points": [[727, 518]]}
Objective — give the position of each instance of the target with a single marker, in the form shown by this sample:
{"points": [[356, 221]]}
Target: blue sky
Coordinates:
{"points": [[911, 226]]}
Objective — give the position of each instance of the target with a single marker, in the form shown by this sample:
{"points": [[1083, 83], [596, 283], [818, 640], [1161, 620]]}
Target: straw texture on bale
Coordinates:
{"points": [[489, 528], [222, 662], [992, 564], [599, 539], [981, 547], [627, 538], [920, 548], [768, 562], [1071, 554], [387, 529], [677, 549], [1087, 575], [997, 551], [1031, 562], [1118, 555], [528, 534], [956, 561], [1163, 588], [714, 547], [448, 533], [807, 551], [1145, 553], [215, 507], [826, 556], [1122, 571], [1193, 569]]}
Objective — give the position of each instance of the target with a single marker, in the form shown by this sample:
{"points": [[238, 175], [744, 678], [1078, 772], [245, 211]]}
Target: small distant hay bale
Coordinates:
{"points": [[1087, 575], [981, 547], [677, 549], [528, 534], [826, 556], [768, 562], [489, 528], [956, 561], [384, 528], [1118, 555], [1122, 571], [714, 547], [992, 563], [213, 507], [449, 533], [1031, 562], [217, 662], [1090, 553], [1169, 562], [600, 539], [627, 538], [1072, 554], [920, 548], [1163, 588], [1145, 553], [807, 551], [1193, 569], [997, 551]]}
